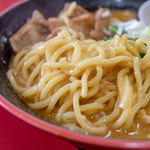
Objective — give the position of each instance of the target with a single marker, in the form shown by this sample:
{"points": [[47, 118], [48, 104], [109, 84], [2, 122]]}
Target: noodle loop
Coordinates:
{"points": [[76, 80]]}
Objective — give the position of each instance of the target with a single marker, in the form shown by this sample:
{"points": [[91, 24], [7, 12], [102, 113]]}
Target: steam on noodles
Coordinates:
{"points": [[85, 85]]}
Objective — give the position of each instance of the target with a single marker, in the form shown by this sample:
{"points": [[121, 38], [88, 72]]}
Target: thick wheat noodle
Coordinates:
{"points": [[75, 80]]}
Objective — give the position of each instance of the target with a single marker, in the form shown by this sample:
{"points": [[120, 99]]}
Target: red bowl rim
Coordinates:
{"points": [[71, 135]]}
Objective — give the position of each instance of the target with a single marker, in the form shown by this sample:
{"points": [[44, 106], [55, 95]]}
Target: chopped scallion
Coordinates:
{"points": [[107, 38], [113, 29], [142, 55], [124, 32], [133, 39]]}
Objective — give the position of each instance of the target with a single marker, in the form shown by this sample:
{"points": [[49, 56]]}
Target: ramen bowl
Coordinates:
{"points": [[10, 22]]}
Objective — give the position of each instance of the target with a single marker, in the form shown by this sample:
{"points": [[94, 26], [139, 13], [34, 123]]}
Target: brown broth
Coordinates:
{"points": [[124, 15], [138, 131]]}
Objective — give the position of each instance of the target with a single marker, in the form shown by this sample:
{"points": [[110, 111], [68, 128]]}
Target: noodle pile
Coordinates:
{"points": [[83, 84], [87, 85]]}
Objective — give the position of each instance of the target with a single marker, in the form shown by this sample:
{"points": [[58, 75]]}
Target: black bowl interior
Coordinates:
{"points": [[11, 21]]}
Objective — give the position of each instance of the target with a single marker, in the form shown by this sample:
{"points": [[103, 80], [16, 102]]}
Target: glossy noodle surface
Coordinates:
{"points": [[96, 87]]}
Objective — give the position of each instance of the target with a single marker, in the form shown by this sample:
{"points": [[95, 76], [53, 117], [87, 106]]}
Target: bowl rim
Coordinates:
{"points": [[13, 6], [71, 135], [65, 133]]}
